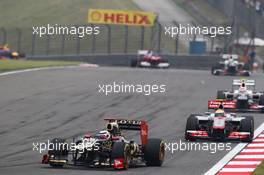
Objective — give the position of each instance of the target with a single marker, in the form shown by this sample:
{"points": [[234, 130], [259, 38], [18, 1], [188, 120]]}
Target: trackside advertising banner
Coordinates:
{"points": [[121, 17]]}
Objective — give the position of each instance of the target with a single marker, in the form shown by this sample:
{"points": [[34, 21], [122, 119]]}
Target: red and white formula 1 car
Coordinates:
{"points": [[149, 60], [219, 125], [109, 148]]}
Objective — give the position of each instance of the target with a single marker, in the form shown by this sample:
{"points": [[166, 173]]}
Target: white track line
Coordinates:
{"points": [[237, 170], [252, 151], [244, 163], [232, 153], [256, 145], [249, 156]]}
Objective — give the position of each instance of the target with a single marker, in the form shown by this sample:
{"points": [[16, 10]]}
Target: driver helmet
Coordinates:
{"points": [[112, 127], [104, 135], [243, 87], [219, 113]]}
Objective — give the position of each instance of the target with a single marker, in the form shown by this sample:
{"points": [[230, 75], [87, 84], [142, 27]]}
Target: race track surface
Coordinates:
{"points": [[40, 105]]}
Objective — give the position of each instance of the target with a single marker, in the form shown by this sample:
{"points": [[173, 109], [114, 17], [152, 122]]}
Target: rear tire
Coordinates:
{"points": [[121, 150], [213, 69], [261, 100], [247, 125], [154, 152], [134, 63], [247, 74], [247, 66], [192, 124], [221, 95]]}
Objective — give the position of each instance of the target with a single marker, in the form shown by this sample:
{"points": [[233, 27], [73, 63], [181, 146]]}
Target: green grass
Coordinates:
{"points": [[28, 13], [205, 9], [11, 65], [260, 169]]}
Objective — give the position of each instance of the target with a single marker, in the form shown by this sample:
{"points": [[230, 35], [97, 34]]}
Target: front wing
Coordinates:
{"points": [[154, 65], [203, 135], [237, 73]]}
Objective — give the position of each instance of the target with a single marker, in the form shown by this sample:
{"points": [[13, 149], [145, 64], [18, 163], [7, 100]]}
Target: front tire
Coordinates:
{"points": [[191, 125], [247, 125], [121, 150], [59, 152], [221, 95], [154, 152], [134, 63], [261, 100]]}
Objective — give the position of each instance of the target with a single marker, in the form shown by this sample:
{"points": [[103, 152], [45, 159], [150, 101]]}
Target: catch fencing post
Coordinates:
{"points": [[4, 40], [48, 45], [62, 44], [109, 39], [33, 44], [126, 39], [19, 34], [177, 39], [159, 37], [78, 43], [142, 38], [93, 42]]}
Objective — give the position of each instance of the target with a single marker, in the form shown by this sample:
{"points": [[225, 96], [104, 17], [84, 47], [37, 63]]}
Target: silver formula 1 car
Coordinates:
{"points": [[230, 66], [219, 126], [243, 96]]}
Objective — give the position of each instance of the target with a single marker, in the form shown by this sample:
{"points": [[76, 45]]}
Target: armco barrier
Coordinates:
{"points": [[176, 61]]}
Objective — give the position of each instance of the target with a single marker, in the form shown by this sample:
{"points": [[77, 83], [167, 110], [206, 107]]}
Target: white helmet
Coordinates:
{"points": [[104, 135], [243, 87]]}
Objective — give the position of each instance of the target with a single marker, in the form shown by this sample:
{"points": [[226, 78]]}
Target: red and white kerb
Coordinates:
{"points": [[247, 160]]}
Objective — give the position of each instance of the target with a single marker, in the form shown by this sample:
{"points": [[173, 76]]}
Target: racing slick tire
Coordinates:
{"points": [[121, 150], [134, 63], [216, 66], [154, 152], [213, 69], [261, 100], [247, 66], [247, 125], [59, 151], [221, 95], [247, 74], [191, 124]]}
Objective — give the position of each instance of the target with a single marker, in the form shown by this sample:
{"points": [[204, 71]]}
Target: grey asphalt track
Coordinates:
{"points": [[36, 106]]}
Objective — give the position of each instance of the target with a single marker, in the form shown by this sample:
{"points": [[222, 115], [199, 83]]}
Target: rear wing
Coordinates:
{"points": [[228, 56], [214, 104], [247, 82], [142, 52], [136, 125]]}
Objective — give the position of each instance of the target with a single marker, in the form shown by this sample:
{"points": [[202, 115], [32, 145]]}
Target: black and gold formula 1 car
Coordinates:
{"points": [[108, 148]]}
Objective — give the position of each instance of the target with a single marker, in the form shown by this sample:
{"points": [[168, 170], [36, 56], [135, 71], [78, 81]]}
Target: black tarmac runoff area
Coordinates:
{"points": [[65, 102]]}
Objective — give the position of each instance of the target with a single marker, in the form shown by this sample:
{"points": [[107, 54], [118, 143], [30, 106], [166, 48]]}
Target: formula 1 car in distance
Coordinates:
{"points": [[147, 59], [230, 66], [243, 97], [6, 53], [219, 126], [109, 148]]}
